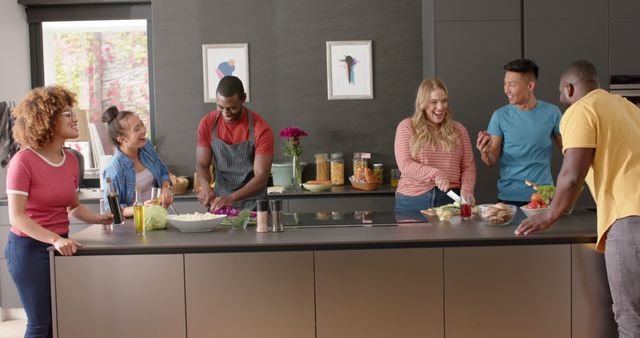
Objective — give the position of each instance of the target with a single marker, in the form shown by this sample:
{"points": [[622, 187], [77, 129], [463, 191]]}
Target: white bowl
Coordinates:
{"points": [[315, 187], [200, 222], [531, 212]]}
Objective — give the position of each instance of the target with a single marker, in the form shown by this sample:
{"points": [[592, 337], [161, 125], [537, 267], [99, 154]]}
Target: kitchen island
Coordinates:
{"points": [[462, 278]]}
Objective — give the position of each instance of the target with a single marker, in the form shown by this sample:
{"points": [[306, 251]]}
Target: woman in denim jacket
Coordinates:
{"points": [[135, 162]]}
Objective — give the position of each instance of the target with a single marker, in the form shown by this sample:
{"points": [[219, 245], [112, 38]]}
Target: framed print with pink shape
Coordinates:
{"points": [[220, 60]]}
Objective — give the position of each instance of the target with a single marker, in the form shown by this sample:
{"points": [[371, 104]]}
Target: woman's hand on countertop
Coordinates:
{"points": [[105, 218], [66, 246]]}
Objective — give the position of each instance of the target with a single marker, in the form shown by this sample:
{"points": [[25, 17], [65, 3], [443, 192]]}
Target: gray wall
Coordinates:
{"points": [[14, 68], [464, 42], [288, 71]]}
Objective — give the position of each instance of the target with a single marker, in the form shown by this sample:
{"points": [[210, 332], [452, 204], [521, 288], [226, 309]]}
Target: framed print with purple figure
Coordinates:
{"points": [[220, 60], [349, 70]]}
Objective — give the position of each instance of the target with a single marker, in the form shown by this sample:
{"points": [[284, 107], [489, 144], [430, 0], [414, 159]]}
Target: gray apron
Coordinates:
{"points": [[234, 165]]}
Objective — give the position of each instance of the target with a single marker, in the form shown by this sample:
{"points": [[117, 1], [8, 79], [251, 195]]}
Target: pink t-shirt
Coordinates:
{"points": [[50, 188], [418, 175]]}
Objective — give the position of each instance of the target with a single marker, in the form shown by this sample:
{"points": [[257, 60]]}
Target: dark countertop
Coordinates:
{"points": [[577, 228], [343, 190], [92, 195]]}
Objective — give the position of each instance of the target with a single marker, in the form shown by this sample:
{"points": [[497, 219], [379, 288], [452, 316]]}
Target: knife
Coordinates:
{"points": [[454, 196]]}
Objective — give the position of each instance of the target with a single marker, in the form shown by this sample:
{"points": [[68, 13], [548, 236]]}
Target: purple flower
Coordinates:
{"points": [[292, 132], [292, 145]]}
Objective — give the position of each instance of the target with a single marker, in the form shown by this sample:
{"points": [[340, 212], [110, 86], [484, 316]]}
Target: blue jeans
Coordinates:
{"points": [[28, 262], [430, 199], [622, 256]]}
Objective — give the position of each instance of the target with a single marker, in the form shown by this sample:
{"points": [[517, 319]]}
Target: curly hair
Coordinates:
{"points": [[35, 117], [420, 124]]}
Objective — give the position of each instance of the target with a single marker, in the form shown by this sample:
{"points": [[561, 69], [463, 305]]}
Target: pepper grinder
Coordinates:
{"points": [[262, 215], [276, 215]]}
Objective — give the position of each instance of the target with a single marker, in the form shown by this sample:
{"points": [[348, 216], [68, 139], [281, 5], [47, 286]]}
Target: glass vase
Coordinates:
{"points": [[296, 176]]}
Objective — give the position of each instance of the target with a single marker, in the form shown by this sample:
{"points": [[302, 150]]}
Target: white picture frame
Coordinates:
{"points": [[219, 60], [349, 70]]}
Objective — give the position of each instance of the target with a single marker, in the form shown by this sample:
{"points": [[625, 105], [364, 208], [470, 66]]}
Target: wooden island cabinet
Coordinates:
{"points": [[457, 279]]}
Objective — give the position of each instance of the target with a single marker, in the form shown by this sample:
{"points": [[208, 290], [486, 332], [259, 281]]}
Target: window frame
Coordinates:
{"points": [[45, 11]]}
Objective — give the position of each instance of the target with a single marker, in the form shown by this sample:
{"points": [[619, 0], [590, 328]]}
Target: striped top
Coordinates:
{"points": [[418, 175]]}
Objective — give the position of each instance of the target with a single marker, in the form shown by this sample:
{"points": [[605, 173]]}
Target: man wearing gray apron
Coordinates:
{"points": [[240, 144]]}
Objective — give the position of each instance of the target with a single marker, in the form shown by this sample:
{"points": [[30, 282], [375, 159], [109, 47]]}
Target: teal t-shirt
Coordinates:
{"points": [[527, 142]]}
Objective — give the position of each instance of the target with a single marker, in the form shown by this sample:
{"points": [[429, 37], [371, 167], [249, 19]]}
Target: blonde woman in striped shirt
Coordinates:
{"points": [[433, 152]]}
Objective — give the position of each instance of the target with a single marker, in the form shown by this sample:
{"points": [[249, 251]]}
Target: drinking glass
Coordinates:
{"points": [[466, 206], [395, 177], [155, 195], [103, 204]]}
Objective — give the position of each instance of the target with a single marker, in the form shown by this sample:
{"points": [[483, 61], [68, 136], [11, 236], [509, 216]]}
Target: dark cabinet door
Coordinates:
{"points": [[624, 9], [469, 59], [554, 44], [625, 50], [565, 9], [475, 10]]}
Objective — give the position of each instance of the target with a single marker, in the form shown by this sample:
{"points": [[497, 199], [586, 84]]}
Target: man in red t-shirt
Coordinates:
{"points": [[240, 144]]}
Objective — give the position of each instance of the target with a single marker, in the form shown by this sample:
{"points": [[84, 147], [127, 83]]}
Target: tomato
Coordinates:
{"points": [[543, 205], [536, 197], [533, 205]]}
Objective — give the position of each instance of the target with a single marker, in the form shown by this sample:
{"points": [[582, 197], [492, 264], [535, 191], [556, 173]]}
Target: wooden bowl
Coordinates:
{"points": [[364, 186], [180, 187]]}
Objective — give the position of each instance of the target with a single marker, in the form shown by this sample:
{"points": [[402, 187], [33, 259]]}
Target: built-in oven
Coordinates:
{"points": [[627, 86]]}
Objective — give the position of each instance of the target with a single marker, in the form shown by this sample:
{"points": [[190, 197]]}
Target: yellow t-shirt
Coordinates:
{"points": [[611, 125]]}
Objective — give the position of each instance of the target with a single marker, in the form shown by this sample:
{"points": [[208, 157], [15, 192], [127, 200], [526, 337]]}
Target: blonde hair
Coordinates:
{"points": [[422, 128], [36, 115]]}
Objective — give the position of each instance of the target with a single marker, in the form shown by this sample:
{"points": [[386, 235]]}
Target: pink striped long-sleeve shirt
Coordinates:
{"points": [[418, 175]]}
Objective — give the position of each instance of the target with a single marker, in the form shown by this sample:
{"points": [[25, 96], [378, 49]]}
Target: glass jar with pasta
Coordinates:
{"points": [[337, 169], [322, 167]]}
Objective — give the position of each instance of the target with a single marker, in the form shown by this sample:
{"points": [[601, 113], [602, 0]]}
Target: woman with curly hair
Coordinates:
{"points": [[433, 153], [42, 185], [135, 162]]}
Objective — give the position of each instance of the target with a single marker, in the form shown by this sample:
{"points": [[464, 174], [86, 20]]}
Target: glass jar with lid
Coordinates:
{"points": [[337, 169], [378, 171], [322, 167], [360, 163]]}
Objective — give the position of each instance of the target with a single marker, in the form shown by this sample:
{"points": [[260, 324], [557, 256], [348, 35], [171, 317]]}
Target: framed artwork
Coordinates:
{"points": [[349, 70], [220, 60]]}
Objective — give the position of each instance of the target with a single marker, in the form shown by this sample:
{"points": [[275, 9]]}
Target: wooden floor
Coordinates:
{"points": [[12, 328]]}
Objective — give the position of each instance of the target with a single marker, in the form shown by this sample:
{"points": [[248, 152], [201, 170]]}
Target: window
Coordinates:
{"points": [[105, 63], [101, 51]]}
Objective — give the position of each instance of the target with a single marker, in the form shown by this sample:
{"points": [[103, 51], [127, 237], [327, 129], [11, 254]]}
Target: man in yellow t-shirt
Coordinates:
{"points": [[601, 134]]}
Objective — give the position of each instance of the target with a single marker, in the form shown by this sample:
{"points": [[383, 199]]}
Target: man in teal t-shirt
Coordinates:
{"points": [[520, 135]]}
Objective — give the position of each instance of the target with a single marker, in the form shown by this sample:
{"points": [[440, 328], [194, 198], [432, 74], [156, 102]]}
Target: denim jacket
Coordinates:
{"points": [[123, 173]]}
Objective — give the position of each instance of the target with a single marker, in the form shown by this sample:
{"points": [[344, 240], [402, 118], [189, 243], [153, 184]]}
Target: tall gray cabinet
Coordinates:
{"points": [[557, 33], [624, 25], [473, 40]]}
